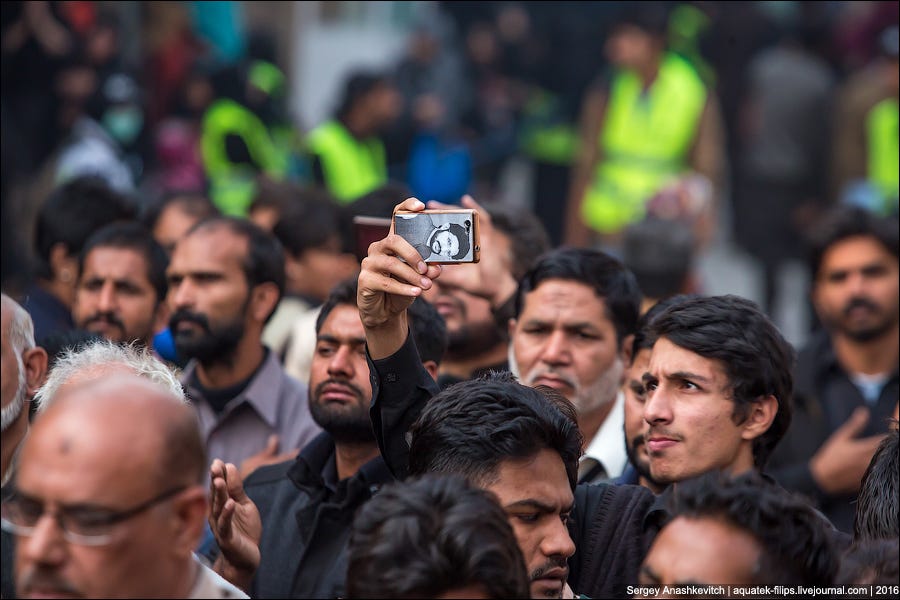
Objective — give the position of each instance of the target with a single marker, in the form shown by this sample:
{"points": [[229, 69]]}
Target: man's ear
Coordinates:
{"points": [[625, 350], [63, 265], [263, 299], [762, 414], [35, 362], [432, 368], [189, 513]]}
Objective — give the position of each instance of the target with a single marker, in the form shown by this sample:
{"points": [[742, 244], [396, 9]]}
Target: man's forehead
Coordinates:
{"points": [[667, 357], [578, 297], [113, 258], [541, 478], [213, 244]]}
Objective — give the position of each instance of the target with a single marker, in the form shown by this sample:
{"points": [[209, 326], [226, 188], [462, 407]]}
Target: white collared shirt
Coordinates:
{"points": [[608, 445]]}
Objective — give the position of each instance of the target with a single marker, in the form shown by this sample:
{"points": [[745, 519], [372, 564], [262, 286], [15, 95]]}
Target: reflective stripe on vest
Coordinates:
{"points": [[882, 141], [644, 143], [351, 167]]}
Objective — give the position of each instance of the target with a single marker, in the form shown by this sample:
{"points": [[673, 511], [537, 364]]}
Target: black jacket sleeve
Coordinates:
{"points": [[400, 388]]}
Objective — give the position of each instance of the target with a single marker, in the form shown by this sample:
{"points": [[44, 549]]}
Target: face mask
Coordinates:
{"points": [[123, 123]]}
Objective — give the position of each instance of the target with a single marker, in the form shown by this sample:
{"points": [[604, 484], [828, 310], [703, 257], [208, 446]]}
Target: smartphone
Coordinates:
{"points": [[444, 236], [366, 231]]}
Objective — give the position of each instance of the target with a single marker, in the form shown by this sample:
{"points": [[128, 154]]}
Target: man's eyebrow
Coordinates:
{"points": [[647, 377], [75, 507], [330, 339], [537, 505], [687, 375]]}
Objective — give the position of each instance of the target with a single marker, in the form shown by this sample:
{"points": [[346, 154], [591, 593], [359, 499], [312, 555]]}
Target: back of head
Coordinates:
{"points": [[131, 235], [428, 329], [527, 237], [264, 262], [435, 535], [608, 277], [871, 562], [795, 540], [659, 252], [876, 505], [357, 86], [101, 358], [312, 220], [651, 17], [471, 427], [72, 213], [194, 204], [381, 201], [848, 222], [757, 360]]}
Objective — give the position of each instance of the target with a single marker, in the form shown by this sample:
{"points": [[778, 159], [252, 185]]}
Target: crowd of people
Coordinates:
{"points": [[214, 387]]}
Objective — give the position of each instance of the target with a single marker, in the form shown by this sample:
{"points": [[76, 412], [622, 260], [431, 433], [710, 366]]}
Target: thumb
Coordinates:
{"points": [[855, 424]]}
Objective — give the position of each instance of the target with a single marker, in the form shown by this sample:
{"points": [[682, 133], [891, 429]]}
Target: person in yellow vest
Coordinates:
{"points": [[347, 156], [243, 138], [655, 123]]}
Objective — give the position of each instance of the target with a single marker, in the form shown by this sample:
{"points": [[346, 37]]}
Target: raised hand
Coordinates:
{"points": [[235, 523]]}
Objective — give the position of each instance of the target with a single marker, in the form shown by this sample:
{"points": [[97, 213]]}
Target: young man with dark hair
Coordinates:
{"points": [[122, 285], [66, 220], [225, 279], [172, 215], [431, 538], [847, 375], [718, 388], [740, 531], [301, 510]]}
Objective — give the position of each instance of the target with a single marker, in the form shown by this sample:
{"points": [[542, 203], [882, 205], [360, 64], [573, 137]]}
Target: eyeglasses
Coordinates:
{"points": [[82, 525]]}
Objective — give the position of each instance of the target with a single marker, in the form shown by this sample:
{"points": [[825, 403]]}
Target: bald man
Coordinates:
{"points": [[118, 465]]}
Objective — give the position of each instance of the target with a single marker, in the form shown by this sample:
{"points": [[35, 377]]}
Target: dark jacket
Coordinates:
{"points": [[608, 523], [824, 398], [307, 515]]}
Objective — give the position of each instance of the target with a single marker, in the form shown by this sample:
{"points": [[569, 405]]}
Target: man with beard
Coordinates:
{"points": [[296, 544], [23, 368], [475, 344], [847, 379], [570, 322], [225, 279], [121, 289]]}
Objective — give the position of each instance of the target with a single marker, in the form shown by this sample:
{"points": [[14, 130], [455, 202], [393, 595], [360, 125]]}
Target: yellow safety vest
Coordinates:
{"points": [[351, 167], [232, 185], [644, 143], [882, 140]]}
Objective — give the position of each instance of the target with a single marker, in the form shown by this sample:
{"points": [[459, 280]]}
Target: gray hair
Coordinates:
{"points": [[98, 359], [21, 328]]}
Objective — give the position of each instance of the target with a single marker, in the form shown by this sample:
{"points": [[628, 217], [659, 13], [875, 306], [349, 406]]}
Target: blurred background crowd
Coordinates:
{"points": [[791, 107]]}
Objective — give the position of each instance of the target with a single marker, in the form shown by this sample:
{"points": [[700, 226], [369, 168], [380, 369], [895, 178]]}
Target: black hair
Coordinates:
{"points": [[758, 361], [462, 235], [651, 17], [131, 235], [795, 540], [660, 254], [193, 203], [643, 337], [876, 505], [870, 562], [471, 427], [847, 222], [311, 222], [72, 212], [343, 293], [264, 262], [527, 237], [428, 329], [426, 537], [357, 86], [609, 279]]}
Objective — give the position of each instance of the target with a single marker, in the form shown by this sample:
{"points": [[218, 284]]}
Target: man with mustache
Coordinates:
{"points": [[122, 286], [570, 320], [225, 278], [475, 344], [299, 537], [847, 375], [24, 366], [85, 527]]}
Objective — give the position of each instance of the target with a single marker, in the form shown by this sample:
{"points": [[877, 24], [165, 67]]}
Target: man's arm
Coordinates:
{"points": [[392, 276]]}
